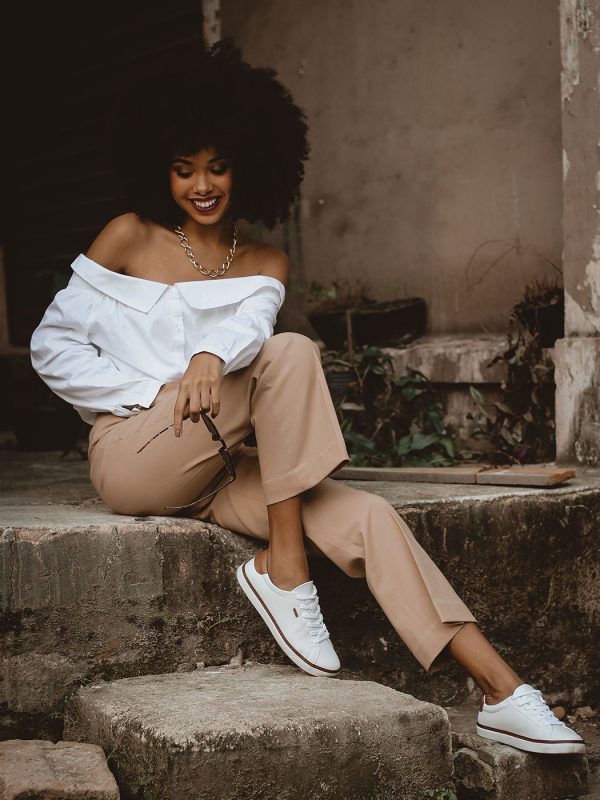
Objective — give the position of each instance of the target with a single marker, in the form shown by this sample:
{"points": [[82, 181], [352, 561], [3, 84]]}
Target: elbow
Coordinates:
{"points": [[36, 352], [40, 354]]}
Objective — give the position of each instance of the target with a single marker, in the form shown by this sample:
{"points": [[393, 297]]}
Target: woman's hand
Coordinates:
{"points": [[199, 389]]}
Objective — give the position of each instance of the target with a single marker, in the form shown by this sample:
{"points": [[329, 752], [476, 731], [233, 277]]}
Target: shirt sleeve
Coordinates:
{"points": [[71, 365], [238, 339]]}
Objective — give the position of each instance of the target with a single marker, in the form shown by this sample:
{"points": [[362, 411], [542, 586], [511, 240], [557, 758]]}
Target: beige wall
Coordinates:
{"points": [[435, 127]]}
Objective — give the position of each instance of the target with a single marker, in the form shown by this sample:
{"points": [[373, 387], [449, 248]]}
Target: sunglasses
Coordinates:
{"points": [[223, 451]]}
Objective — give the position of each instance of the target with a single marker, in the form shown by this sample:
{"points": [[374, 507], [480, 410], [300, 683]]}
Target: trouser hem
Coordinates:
{"points": [[305, 476], [430, 646]]}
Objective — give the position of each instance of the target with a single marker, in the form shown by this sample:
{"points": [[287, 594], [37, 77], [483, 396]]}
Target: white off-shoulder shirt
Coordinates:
{"points": [[108, 341]]}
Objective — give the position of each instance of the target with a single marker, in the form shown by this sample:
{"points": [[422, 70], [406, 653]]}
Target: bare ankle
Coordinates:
{"points": [[494, 696], [288, 582], [260, 562], [284, 576], [492, 699]]}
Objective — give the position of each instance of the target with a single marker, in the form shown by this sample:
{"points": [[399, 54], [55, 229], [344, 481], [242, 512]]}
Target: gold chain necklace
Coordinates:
{"points": [[212, 273]]}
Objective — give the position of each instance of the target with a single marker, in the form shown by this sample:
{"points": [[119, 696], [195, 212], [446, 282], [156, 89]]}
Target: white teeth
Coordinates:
{"points": [[207, 204]]}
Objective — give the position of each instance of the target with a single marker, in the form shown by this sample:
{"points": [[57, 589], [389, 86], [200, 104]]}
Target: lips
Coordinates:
{"points": [[206, 205]]}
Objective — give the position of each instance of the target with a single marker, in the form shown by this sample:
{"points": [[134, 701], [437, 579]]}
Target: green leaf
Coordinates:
{"points": [[403, 445], [360, 441], [418, 375], [476, 395], [420, 441], [437, 421], [409, 393], [448, 446], [402, 380]]}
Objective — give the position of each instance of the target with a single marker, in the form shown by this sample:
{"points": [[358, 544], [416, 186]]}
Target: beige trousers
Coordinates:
{"points": [[284, 397]]}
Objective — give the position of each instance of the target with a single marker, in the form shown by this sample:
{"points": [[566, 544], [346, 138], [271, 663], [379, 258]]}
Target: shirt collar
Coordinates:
{"points": [[143, 294], [137, 293]]}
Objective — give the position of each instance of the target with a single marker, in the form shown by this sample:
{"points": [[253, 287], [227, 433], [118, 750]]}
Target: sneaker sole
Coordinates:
{"points": [[530, 745], [287, 647]]}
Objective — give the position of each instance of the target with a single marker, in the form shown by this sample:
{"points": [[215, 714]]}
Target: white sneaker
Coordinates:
{"points": [[524, 720], [294, 618]]}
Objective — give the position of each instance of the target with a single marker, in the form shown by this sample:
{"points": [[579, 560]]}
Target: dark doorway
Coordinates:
{"points": [[64, 68], [65, 64]]}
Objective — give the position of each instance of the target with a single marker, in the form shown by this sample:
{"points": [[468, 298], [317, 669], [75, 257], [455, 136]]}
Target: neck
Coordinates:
{"points": [[215, 235]]}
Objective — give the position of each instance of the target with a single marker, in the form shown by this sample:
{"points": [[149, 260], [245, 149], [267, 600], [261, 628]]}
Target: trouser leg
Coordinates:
{"points": [[364, 536], [282, 394]]}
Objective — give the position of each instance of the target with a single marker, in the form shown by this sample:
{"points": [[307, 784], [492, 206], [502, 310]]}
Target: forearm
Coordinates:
{"points": [[238, 339]]}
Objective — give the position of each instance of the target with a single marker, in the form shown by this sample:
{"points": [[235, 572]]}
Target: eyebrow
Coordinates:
{"points": [[180, 160]]}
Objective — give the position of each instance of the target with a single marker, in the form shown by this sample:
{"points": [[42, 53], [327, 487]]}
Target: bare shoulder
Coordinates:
{"points": [[266, 259], [116, 242]]}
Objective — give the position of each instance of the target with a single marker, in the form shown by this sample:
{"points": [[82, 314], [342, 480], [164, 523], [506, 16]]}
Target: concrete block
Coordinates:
{"points": [[489, 771], [41, 770], [453, 358], [454, 363], [267, 732]]}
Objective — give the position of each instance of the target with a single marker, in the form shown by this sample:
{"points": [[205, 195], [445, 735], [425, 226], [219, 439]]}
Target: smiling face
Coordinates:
{"points": [[201, 185]]}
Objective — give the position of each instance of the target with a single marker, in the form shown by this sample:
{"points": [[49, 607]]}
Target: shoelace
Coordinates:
{"points": [[311, 612], [535, 703]]}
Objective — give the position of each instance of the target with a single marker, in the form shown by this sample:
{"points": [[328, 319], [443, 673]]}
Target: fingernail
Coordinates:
{"points": [[177, 432]]}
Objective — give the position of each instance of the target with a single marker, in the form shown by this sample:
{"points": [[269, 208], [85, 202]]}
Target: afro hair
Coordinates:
{"points": [[213, 99]]}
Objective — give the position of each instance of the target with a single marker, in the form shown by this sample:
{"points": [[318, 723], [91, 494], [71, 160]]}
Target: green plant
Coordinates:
{"points": [[389, 419], [441, 794], [520, 427]]}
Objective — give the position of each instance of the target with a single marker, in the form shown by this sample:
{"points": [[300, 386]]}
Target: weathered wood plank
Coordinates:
{"points": [[459, 474], [526, 475], [484, 474]]}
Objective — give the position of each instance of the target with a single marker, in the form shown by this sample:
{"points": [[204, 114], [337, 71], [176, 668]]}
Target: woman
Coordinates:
{"points": [[169, 318]]}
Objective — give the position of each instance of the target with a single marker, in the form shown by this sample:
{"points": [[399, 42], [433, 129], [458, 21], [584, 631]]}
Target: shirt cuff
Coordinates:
{"points": [[144, 398], [215, 345]]}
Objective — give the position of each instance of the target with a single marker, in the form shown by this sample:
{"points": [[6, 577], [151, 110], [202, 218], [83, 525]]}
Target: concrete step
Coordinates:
{"points": [[486, 770], [492, 771], [86, 594], [41, 770], [267, 732]]}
